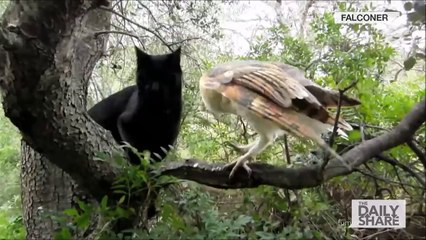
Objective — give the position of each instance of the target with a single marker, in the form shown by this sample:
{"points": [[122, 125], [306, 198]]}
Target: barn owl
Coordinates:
{"points": [[275, 99]]}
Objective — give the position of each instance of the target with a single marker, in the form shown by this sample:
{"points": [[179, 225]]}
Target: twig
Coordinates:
{"points": [[299, 199], [148, 10], [244, 134], [358, 126], [118, 32], [351, 85], [320, 58], [418, 152], [362, 130], [376, 184], [336, 122], [103, 229], [308, 5], [399, 179], [186, 40], [286, 150], [138, 25], [97, 90], [386, 180], [397, 73], [395, 162], [288, 198]]}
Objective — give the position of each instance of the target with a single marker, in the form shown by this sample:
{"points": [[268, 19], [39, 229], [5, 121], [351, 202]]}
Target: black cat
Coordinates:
{"points": [[146, 115]]}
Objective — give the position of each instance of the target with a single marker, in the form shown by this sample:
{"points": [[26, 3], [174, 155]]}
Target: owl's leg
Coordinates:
{"points": [[257, 147], [241, 148]]}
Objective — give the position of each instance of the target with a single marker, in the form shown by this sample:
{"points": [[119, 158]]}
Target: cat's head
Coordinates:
{"points": [[159, 70]]}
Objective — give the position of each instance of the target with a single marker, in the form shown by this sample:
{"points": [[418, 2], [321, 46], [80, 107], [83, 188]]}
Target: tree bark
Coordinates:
{"points": [[47, 54], [47, 189]]}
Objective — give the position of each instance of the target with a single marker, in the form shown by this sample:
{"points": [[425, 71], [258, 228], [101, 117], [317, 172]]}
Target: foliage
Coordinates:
{"points": [[11, 226], [10, 204], [337, 56], [332, 58]]}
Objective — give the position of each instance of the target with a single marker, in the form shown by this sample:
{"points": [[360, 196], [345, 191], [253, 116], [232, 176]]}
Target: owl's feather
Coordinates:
{"points": [[278, 94]]}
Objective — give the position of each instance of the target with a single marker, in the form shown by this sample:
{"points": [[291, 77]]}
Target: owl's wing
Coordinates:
{"points": [[327, 97], [271, 93]]}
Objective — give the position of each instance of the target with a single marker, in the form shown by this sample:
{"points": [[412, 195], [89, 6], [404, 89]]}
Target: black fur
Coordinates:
{"points": [[146, 115]]}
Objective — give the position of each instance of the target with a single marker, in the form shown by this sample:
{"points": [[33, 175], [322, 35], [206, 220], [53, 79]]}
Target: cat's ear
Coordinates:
{"points": [[141, 56], [178, 51], [175, 57]]}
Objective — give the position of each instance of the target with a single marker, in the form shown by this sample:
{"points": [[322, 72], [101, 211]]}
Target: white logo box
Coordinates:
{"points": [[368, 213], [365, 17]]}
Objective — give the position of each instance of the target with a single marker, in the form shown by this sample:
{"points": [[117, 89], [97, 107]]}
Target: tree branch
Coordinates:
{"points": [[407, 169], [368, 149], [157, 35], [296, 178], [214, 175], [420, 154], [118, 32]]}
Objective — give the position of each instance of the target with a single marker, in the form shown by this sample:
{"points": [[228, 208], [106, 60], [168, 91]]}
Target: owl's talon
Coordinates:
{"points": [[238, 164]]}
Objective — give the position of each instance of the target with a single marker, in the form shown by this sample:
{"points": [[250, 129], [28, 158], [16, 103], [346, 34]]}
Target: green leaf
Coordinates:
{"points": [[121, 200], [317, 235], [82, 205], [320, 206], [265, 235], [242, 220], [120, 191], [233, 235], [121, 212], [354, 135], [408, 6], [409, 63], [83, 221], [71, 212], [104, 202], [63, 234]]}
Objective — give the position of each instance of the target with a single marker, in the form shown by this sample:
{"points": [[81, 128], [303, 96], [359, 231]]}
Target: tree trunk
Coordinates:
{"points": [[46, 191], [47, 52], [46, 188]]}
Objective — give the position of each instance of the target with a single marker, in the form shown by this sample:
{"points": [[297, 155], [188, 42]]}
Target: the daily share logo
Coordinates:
{"points": [[378, 213]]}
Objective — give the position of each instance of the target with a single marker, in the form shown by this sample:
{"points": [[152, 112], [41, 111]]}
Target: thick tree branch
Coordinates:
{"points": [[368, 149], [264, 174]]}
